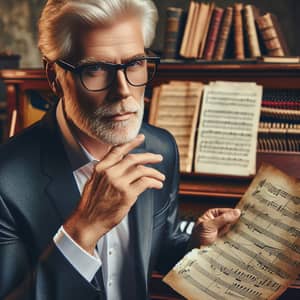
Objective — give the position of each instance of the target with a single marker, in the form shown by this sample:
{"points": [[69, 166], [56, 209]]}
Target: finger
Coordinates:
{"points": [[145, 183], [227, 218], [213, 213], [117, 153], [131, 161], [143, 171], [224, 230]]}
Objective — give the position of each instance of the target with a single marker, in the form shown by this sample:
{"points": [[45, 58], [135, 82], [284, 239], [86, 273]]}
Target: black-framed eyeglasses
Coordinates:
{"points": [[98, 76]]}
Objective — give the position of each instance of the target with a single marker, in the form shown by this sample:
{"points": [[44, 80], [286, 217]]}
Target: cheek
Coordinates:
{"points": [[138, 94], [88, 101]]}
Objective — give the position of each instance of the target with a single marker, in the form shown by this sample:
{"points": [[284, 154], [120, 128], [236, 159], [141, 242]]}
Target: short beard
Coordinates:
{"points": [[97, 123]]}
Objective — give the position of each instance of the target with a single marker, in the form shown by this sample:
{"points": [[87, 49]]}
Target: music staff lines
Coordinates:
{"points": [[266, 217], [238, 288], [203, 288], [241, 264], [270, 235], [235, 114], [239, 275], [275, 206], [264, 263]]}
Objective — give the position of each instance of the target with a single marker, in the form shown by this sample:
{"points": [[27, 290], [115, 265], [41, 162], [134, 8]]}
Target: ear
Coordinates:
{"points": [[52, 78]]}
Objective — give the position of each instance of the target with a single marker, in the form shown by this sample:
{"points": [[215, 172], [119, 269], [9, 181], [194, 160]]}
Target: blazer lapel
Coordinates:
{"points": [[61, 188]]}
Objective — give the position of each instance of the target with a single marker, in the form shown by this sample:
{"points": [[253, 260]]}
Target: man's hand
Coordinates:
{"points": [[113, 189], [213, 224]]}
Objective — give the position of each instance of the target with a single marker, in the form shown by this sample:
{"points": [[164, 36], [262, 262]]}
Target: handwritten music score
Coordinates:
{"points": [[227, 131], [259, 257]]}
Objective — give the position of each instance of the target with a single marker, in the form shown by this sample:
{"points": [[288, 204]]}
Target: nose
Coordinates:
{"points": [[120, 89]]}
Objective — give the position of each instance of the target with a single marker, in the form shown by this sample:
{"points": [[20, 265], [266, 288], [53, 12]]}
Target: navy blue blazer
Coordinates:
{"points": [[38, 192]]}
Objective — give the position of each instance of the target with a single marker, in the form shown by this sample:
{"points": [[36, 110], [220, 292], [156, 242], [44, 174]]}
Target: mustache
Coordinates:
{"points": [[109, 110]]}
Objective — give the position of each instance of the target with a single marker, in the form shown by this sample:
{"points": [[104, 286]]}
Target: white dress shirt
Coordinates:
{"points": [[114, 250]]}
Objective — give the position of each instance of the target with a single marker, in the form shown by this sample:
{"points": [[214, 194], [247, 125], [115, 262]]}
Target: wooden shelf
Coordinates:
{"points": [[218, 186], [269, 75]]}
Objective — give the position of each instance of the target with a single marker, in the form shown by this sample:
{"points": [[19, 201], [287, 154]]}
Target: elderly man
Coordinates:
{"points": [[88, 194]]}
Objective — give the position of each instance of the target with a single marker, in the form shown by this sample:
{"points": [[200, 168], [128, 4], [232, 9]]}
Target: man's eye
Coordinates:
{"points": [[94, 70], [137, 63]]}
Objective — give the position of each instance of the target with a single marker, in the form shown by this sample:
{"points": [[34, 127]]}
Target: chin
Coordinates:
{"points": [[117, 134]]}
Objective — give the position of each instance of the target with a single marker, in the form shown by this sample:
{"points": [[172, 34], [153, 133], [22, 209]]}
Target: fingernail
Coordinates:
{"points": [[140, 136]]}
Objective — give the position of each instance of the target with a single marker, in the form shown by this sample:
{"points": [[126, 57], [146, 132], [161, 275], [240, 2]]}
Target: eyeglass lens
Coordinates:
{"points": [[100, 76]]}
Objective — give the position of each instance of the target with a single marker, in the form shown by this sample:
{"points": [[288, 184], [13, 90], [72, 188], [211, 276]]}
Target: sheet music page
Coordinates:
{"points": [[228, 126], [178, 112], [259, 257]]}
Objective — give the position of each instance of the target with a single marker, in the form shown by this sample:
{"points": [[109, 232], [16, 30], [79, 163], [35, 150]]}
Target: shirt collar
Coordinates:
{"points": [[76, 152]]}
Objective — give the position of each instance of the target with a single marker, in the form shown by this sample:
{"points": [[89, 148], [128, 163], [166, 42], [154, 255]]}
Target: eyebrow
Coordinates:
{"points": [[91, 60]]}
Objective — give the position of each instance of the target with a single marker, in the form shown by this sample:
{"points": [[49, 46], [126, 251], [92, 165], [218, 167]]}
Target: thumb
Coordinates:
{"points": [[227, 218]]}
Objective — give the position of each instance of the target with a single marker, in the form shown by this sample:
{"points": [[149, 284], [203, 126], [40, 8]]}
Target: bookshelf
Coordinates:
{"points": [[197, 192]]}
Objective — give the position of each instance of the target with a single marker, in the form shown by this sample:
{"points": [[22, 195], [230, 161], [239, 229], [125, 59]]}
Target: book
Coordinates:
{"points": [[188, 29], [250, 13], [213, 33], [198, 29], [205, 33], [223, 34], [173, 32], [280, 59], [239, 51], [272, 36]]}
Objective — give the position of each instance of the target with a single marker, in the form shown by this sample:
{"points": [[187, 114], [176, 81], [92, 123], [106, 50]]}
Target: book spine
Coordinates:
{"points": [[191, 33], [251, 34], [223, 34], [205, 33], [199, 29], [187, 29], [173, 32], [213, 33], [270, 36], [239, 51]]}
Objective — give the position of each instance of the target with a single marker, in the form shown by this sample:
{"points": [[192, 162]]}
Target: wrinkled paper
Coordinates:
{"points": [[259, 257]]}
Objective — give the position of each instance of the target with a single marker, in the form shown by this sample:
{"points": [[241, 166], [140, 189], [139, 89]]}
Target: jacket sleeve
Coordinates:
{"points": [[49, 277]]}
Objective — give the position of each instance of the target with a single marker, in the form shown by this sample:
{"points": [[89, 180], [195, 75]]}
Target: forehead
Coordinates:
{"points": [[113, 43]]}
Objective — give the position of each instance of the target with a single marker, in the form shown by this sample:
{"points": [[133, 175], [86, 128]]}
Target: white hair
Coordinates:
{"points": [[60, 18]]}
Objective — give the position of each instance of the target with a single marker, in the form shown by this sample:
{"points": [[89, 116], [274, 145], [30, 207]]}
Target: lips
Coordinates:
{"points": [[122, 116]]}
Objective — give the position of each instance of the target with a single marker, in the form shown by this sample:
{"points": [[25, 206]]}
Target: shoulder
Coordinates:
{"points": [[21, 144]]}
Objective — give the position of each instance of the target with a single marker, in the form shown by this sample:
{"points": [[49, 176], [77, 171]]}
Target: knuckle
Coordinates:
{"points": [[117, 153], [131, 158], [141, 168]]}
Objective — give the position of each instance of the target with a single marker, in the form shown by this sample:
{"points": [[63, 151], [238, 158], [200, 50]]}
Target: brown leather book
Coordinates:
{"points": [[250, 14], [224, 34], [239, 51], [173, 33], [272, 36], [213, 33]]}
